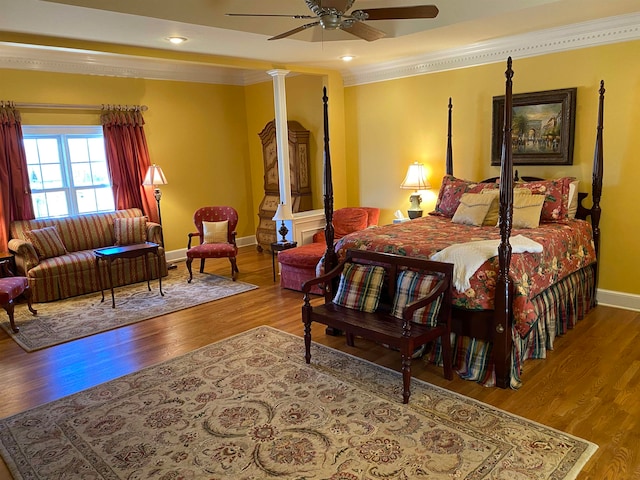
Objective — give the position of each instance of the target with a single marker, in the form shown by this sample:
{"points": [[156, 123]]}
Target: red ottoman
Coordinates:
{"points": [[297, 265]]}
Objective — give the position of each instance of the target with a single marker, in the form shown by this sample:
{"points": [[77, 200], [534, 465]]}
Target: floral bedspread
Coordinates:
{"points": [[567, 247]]}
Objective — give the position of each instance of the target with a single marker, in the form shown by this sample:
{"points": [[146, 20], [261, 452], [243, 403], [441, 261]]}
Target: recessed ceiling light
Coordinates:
{"points": [[177, 40], [347, 58]]}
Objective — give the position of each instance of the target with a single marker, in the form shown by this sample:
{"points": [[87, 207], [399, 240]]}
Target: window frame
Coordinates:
{"points": [[62, 133]]}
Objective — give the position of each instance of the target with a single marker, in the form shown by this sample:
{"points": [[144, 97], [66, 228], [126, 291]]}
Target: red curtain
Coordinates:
{"points": [[128, 159], [15, 192]]}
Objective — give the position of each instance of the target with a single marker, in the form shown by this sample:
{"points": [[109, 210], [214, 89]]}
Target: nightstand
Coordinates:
{"points": [[279, 247]]}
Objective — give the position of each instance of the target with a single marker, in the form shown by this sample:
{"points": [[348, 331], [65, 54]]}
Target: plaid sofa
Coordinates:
{"points": [[74, 272]]}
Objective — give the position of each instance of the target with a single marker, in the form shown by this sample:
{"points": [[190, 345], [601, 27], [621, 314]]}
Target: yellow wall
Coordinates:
{"points": [[196, 132], [391, 124]]}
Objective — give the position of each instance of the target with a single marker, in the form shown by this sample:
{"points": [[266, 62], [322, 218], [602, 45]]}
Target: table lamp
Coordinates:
{"points": [[415, 179], [283, 213]]}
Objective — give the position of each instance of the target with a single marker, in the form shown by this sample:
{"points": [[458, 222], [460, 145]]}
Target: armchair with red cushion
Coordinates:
{"points": [[297, 265], [216, 237]]}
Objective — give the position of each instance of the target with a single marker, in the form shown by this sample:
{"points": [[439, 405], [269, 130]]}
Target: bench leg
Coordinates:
{"points": [[307, 342], [350, 341]]}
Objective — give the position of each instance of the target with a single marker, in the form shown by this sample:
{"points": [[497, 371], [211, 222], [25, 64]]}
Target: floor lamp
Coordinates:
{"points": [[154, 177]]}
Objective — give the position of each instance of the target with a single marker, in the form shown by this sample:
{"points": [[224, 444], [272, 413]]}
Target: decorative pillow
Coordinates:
{"points": [[216, 232], [129, 231], [491, 218], [573, 199], [411, 286], [473, 209], [556, 204], [359, 287], [47, 242], [527, 210], [451, 191]]}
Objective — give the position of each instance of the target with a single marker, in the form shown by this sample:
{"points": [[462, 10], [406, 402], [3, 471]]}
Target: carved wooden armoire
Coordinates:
{"points": [[300, 179]]}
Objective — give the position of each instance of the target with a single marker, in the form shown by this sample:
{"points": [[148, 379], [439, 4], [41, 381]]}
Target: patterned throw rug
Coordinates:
{"points": [[248, 407], [77, 317]]}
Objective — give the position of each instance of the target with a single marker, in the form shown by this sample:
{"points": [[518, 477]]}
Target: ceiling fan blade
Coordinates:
{"points": [[364, 31], [267, 15], [294, 31], [401, 13]]}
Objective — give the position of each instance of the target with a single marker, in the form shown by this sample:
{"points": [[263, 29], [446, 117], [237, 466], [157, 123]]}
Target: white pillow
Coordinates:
{"points": [[573, 198], [472, 209], [527, 210], [216, 232]]}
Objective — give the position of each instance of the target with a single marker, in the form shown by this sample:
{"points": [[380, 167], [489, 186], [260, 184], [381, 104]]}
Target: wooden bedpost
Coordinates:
{"points": [[449, 166], [330, 257], [596, 186], [502, 343]]}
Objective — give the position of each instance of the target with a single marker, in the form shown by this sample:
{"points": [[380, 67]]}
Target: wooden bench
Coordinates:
{"points": [[380, 325]]}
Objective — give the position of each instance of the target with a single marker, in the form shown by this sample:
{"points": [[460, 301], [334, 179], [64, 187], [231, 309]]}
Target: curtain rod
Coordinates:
{"points": [[64, 106]]}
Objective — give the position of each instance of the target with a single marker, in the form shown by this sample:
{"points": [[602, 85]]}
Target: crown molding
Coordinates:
{"points": [[85, 62], [582, 35], [603, 31]]}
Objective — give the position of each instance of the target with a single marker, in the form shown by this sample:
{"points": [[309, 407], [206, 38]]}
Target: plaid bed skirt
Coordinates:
{"points": [[559, 308]]}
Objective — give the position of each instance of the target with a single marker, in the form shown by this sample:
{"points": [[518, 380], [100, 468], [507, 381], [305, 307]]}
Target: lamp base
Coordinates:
{"points": [[415, 211], [283, 231]]}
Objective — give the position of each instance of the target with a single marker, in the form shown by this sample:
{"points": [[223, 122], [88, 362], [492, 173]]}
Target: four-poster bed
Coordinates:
{"points": [[515, 304]]}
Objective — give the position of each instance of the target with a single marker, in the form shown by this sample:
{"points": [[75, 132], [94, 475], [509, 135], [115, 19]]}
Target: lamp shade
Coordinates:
{"points": [[283, 212], [416, 178], [155, 176]]}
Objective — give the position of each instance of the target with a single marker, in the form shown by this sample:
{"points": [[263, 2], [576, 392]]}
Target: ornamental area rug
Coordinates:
{"points": [[249, 407], [65, 320]]}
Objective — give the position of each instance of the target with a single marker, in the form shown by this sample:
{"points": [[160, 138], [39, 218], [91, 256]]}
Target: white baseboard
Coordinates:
{"points": [[627, 301]]}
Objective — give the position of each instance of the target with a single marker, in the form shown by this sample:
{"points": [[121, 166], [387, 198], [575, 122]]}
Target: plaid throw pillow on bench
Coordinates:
{"points": [[411, 286], [360, 287]]}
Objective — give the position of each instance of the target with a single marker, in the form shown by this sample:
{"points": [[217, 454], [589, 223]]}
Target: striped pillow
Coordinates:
{"points": [[411, 286], [360, 287], [47, 242], [129, 231]]}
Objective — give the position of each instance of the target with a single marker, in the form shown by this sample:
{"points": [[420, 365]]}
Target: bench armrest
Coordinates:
{"points": [[324, 278], [410, 309]]}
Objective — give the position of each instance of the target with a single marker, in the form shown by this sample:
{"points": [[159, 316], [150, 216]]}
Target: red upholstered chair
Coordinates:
{"points": [[297, 265], [217, 238], [10, 289]]}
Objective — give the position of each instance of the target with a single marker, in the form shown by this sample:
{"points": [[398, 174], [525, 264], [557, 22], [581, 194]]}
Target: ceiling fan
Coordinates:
{"points": [[332, 15]]}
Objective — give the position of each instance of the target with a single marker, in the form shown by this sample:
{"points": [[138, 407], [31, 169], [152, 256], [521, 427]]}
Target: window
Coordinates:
{"points": [[68, 170]]}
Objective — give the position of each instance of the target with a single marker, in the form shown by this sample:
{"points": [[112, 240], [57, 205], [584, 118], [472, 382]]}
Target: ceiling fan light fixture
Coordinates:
{"points": [[177, 40]]}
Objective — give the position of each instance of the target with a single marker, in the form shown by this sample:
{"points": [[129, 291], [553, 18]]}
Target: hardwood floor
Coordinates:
{"points": [[589, 386]]}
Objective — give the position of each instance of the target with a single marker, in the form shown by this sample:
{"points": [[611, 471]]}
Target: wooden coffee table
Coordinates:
{"points": [[109, 254]]}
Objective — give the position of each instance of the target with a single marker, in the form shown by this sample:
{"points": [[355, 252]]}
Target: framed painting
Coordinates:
{"points": [[542, 127]]}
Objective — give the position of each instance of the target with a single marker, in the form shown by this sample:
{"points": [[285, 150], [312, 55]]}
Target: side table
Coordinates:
{"points": [[109, 254], [279, 247]]}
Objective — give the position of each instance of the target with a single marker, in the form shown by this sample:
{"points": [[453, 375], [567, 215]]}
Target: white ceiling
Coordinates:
{"points": [[147, 23]]}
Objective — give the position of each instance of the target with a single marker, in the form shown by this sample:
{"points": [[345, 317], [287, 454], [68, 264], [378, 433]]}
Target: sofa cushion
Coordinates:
{"points": [[129, 231], [47, 242]]}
